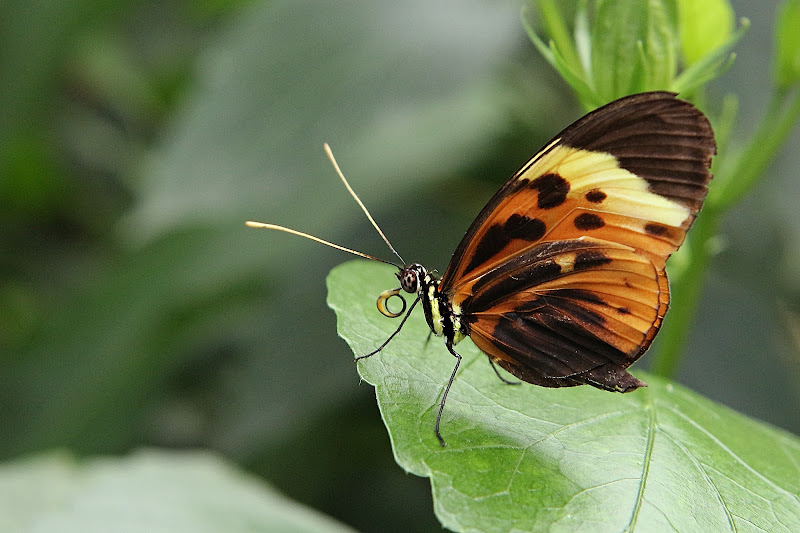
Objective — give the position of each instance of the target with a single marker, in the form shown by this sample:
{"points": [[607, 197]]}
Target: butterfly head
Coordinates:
{"points": [[413, 279]]}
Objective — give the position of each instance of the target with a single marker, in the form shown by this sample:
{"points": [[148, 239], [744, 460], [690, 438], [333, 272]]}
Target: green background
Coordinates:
{"points": [[135, 307]]}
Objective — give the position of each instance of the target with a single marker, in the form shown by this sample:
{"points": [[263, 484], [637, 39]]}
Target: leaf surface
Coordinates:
{"points": [[576, 459]]}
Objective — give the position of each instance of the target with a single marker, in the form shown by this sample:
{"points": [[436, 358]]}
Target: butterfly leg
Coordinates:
{"points": [[382, 346], [428, 339], [444, 395], [504, 380]]}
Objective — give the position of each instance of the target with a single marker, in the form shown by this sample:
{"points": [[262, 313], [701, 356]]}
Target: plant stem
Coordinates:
{"points": [[686, 288], [744, 171], [736, 179]]}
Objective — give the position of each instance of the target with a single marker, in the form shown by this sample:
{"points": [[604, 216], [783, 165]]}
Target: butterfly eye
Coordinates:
{"points": [[383, 302], [409, 279]]}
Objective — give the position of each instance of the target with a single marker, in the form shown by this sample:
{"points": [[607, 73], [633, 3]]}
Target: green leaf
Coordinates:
{"points": [[150, 491], [705, 25], [556, 27], [633, 46], [660, 61], [576, 79], [787, 37], [534, 459], [711, 65]]}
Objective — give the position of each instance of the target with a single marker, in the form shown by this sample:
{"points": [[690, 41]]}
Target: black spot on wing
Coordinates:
{"points": [[492, 242], [498, 236], [570, 302], [588, 221], [595, 196], [522, 227], [552, 190], [658, 230]]}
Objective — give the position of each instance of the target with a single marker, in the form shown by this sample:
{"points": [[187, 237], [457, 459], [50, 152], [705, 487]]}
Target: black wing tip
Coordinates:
{"points": [[632, 385], [666, 141], [611, 378], [683, 116]]}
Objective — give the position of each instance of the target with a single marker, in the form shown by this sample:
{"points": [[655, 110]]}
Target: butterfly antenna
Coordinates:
{"points": [[264, 225], [329, 153]]}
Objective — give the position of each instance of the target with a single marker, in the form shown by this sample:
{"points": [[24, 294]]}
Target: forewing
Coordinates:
{"points": [[634, 172]]}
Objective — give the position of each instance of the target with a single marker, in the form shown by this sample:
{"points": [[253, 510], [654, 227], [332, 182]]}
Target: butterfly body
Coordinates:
{"points": [[443, 319]]}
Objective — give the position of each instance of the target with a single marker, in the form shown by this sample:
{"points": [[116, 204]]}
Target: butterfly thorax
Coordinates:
{"points": [[443, 319]]}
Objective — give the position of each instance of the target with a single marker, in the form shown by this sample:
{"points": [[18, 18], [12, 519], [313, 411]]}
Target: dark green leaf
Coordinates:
{"points": [[532, 459]]}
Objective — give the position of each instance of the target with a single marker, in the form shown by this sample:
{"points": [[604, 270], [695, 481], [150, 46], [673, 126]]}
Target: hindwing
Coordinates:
{"points": [[568, 312]]}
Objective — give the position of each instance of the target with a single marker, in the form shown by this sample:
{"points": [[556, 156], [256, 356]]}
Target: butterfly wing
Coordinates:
{"points": [[567, 312], [624, 184]]}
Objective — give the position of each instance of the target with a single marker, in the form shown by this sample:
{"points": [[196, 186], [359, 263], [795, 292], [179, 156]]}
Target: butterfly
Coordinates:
{"points": [[560, 280]]}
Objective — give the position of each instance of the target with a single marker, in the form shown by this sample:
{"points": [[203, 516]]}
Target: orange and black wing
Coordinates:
{"points": [[561, 277]]}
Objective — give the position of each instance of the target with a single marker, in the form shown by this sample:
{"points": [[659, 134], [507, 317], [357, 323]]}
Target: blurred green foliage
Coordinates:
{"points": [[135, 307], [155, 491]]}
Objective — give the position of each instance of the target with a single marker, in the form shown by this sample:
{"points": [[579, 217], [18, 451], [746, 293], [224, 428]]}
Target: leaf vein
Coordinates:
{"points": [[734, 456], [648, 455], [700, 467]]}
